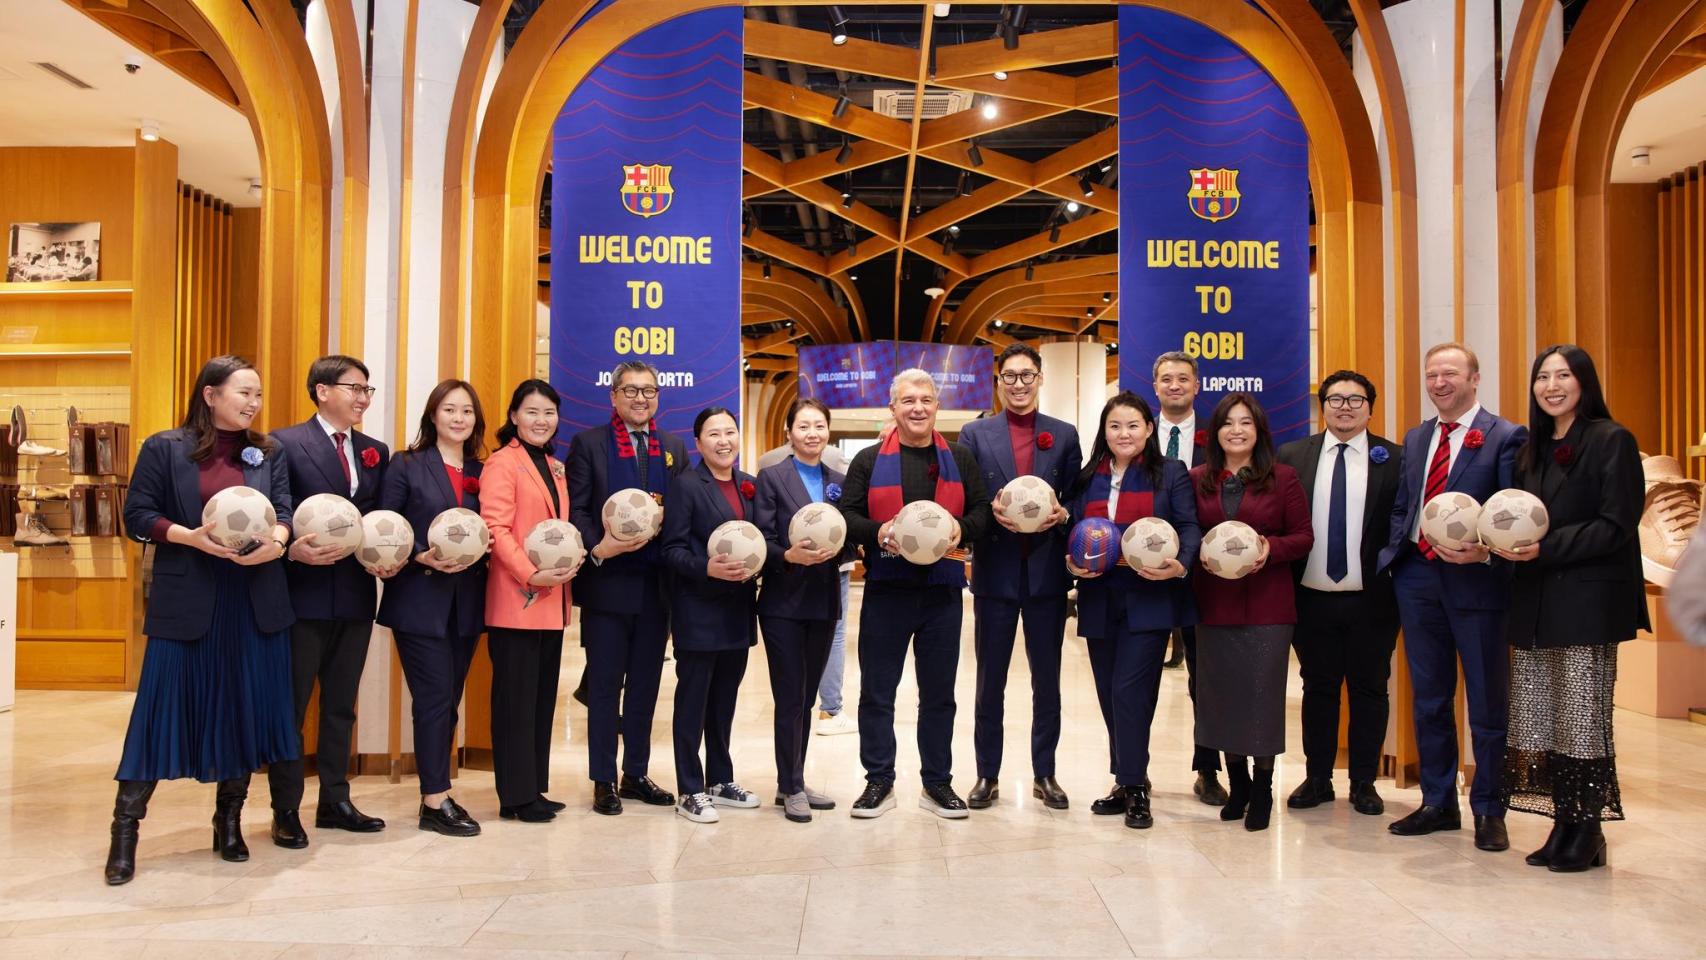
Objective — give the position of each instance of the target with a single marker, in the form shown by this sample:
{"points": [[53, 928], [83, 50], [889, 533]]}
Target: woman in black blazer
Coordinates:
{"points": [[1576, 598], [1125, 616], [801, 600], [711, 613], [435, 608], [214, 701]]}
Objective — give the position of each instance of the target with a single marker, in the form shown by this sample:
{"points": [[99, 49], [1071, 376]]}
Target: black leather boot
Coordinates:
{"points": [[228, 820], [1582, 847], [1543, 856], [1238, 787], [128, 810], [1261, 799]]}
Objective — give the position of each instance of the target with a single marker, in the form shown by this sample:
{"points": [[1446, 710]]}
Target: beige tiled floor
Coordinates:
{"points": [[1015, 881]]}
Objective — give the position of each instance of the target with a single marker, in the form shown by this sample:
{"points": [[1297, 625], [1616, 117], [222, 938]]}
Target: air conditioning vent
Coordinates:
{"points": [[60, 72], [900, 103]]}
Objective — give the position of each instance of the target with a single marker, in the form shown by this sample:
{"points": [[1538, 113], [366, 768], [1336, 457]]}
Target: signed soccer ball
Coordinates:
{"points": [[1513, 518], [239, 515], [923, 532], [334, 521], [458, 535], [819, 526], [1451, 519], [387, 540], [1229, 550], [1149, 542], [554, 544], [632, 514], [1027, 502], [740, 540]]}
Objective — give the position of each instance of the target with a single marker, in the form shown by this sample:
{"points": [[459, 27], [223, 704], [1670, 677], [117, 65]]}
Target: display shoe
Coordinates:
{"points": [[33, 532], [30, 448], [49, 492], [1669, 515], [20, 427]]}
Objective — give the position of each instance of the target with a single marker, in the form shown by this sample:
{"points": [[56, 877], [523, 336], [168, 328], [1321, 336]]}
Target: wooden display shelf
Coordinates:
{"points": [[66, 290], [49, 351]]}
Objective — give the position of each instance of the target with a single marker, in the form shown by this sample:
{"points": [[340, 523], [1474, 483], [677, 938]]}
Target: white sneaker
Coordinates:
{"points": [[732, 794], [697, 807], [30, 448], [835, 724]]}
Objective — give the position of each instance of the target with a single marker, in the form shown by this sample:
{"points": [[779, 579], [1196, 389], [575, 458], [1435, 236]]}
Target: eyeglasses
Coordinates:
{"points": [[650, 393], [360, 389], [1019, 376], [1353, 401]]}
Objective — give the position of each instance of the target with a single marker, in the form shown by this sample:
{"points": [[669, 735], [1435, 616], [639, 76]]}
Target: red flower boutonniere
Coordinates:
{"points": [[1045, 441], [370, 457], [1202, 438], [747, 490], [1474, 439], [1564, 455], [557, 469], [471, 485]]}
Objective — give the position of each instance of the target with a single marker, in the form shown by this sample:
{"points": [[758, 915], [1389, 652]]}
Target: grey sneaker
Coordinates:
{"points": [[817, 800], [732, 794], [697, 807], [797, 808]]}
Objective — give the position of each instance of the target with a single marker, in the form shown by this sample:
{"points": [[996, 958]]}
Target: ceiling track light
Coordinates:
{"points": [[948, 247], [767, 269], [844, 154], [991, 109], [149, 130], [965, 189], [1107, 297], [846, 200], [974, 154], [1087, 185], [1054, 234], [837, 26], [841, 104], [1089, 311], [1030, 270], [954, 230]]}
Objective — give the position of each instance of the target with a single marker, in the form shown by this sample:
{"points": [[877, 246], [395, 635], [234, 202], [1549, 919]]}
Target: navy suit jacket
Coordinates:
{"points": [[165, 483], [419, 599], [1149, 604], [1478, 472], [618, 585], [996, 557], [343, 590], [707, 615], [791, 590]]}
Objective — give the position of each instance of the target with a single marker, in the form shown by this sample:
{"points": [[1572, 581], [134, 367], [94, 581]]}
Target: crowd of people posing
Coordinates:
{"points": [[239, 639]]}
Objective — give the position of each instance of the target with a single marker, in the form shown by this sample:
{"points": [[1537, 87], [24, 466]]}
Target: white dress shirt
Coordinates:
{"points": [[1465, 423], [1356, 497], [349, 450], [1187, 437]]}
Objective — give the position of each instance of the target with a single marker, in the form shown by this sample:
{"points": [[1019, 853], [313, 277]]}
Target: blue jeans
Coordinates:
{"points": [[829, 688]]}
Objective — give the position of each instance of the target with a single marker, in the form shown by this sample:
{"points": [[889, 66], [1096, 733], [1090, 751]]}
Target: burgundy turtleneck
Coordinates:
{"points": [[1022, 431]]}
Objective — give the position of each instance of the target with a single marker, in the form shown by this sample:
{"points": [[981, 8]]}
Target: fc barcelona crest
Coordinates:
{"points": [[645, 188], [1214, 193]]}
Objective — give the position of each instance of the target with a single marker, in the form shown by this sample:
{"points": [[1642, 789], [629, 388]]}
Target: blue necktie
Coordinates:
{"points": [[1337, 563], [1173, 444]]}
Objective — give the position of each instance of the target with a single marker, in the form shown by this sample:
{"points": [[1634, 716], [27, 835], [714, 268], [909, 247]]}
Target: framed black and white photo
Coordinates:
{"points": [[53, 251]]}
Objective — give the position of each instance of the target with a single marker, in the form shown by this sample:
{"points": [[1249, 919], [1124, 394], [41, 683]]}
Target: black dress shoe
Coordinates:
{"points": [[1543, 856], [1113, 803], [1137, 814], [1208, 789], [1312, 792], [984, 793], [1427, 819], [552, 805], [645, 791], [449, 819], [287, 830], [1048, 790], [1490, 834], [344, 816], [531, 812], [1582, 847], [1365, 800], [605, 799]]}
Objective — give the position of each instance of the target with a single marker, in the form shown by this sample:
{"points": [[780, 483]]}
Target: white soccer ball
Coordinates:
{"points": [[333, 520], [740, 540], [818, 526], [554, 544], [923, 532], [458, 535], [1149, 542], [387, 540], [1451, 519], [1229, 550], [239, 516], [1513, 518], [1027, 503], [632, 514]]}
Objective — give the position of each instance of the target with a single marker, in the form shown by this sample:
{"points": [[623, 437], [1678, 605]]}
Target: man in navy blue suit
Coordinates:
{"points": [[1452, 603], [334, 598], [1018, 575]]}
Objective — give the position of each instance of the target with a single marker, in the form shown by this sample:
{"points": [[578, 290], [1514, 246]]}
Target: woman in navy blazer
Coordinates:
{"points": [[214, 701], [1125, 616], [801, 600], [436, 608], [712, 616]]}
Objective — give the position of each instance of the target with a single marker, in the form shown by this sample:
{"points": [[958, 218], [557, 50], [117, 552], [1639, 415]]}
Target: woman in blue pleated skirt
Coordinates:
{"points": [[214, 702]]}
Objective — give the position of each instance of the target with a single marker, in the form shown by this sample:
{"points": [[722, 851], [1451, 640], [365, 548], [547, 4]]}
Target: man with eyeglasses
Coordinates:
{"points": [[334, 598], [1347, 618], [621, 590], [1018, 576]]}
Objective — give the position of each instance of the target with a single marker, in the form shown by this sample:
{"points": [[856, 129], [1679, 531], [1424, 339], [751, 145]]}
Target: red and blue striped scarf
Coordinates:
{"points": [[1136, 500], [885, 498]]}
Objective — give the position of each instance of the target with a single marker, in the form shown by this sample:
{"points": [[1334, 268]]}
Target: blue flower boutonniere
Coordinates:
{"points": [[1378, 455], [832, 493], [253, 456]]}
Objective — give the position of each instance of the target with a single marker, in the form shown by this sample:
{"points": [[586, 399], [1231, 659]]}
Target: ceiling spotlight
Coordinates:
{"points": [[150, 130], [853, 247], [838, 26], [965, 184], [1089, 311], [1000, 74], [999, 323], [255, 187], [1107, 298], [766, 269], [844, 154], [1072, 206], [746, 364], [1107, 165], [934, 292], [846, 200], [1012, 21], [1054, 234], [941, 9], [853, 276], [1030, 270], [1113, 348], [990, 108], [841, 104], [948, 247], [974, 154], [1087, 185], [788, 323], [954, 230], [1639, 156]]}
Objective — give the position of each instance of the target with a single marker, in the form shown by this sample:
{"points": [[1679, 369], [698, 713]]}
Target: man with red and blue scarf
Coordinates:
{"points": [[907, 604]]}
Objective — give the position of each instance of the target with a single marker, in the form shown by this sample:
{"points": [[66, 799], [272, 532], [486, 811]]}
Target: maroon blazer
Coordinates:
{"points": [[1265, 597]]}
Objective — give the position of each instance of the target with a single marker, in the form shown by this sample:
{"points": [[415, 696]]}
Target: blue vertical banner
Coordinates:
{"points": [[645, 222], [1214, 218]]}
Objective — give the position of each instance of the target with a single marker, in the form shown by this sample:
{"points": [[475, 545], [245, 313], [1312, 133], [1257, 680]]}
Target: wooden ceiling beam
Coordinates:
{"points": [[1086, 153], [972, 123], [812, 47], [822, 165], [813, 107], [761, 164], [777, 338], [924, 71], [779, 249], [1039, 321], [997, 337], [931, 249], [1047, 48], [829, 198], [870, 249], [987, 197], [752, 185], [765, 363], [1019, 251], [1032, 86]]}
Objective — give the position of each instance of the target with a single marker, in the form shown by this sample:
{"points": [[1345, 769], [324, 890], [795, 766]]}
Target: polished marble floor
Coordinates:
{"points": [[1015, 881]]}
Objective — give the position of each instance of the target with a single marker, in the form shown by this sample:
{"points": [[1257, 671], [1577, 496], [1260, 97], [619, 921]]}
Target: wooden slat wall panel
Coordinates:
{"points": [[1681, 232], [1634, 360], [207, 259]]}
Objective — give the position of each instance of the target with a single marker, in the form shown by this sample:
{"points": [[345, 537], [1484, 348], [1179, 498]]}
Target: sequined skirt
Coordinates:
{"points": [[1559, 757]]}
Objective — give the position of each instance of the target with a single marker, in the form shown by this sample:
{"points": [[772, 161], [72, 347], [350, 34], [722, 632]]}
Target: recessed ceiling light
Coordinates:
{"points": [[1000, 74]]}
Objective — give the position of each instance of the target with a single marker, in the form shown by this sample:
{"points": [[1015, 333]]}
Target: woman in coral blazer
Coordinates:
{"points": [[527, 609]]}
